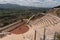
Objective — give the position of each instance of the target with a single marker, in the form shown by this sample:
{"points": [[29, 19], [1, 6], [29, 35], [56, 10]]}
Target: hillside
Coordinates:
{"points": [[18, 7], [57, 7], [55, 11], [10, 13], [12, 6]]}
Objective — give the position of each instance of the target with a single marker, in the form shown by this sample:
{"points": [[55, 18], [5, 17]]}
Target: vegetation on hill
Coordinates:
{"points": [[57, 7], [10, 13]]}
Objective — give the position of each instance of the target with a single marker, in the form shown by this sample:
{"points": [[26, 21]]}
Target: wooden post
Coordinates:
{"points": [[35, 35], [44, 36], [55, 36]]}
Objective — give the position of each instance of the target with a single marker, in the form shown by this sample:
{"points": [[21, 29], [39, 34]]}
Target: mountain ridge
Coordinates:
{"points": [[15, 6], [57, 6]]}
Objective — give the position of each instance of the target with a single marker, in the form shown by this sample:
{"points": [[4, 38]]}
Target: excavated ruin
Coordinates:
{"points": [[34, 30]]}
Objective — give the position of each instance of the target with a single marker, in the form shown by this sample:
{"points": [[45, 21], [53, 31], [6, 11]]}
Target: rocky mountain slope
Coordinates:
{"points": [[55, 11]]}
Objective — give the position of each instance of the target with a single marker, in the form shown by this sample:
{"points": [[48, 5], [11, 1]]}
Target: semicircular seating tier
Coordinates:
{"points": [[46, 20], [50, 22]]}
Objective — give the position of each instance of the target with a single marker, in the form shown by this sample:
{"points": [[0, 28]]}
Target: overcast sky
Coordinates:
{"points": [[35, 3]]}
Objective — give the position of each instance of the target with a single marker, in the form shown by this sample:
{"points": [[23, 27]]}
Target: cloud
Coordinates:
{"points": [[52, 3], [35, 3]]}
